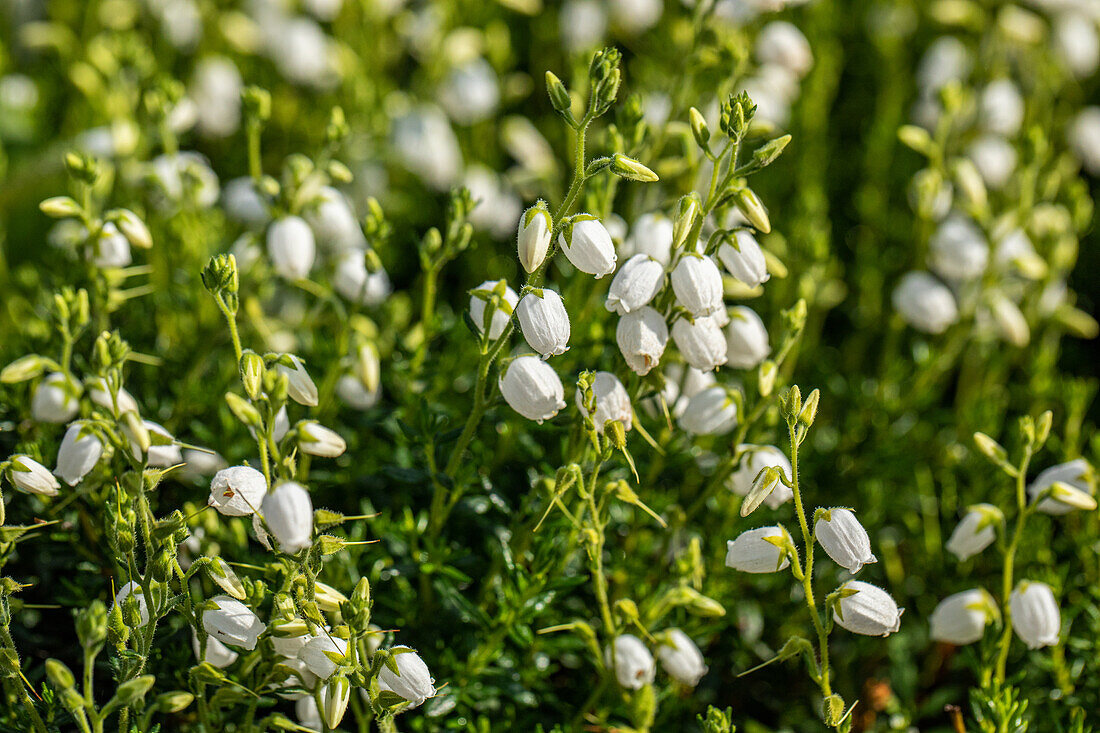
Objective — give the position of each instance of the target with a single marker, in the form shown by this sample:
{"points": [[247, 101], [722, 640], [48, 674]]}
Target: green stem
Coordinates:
{"points": [[1008, 571]]}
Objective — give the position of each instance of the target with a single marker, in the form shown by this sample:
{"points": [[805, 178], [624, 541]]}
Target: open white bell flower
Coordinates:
{"points": [[544, 322], [753, 552], [746, 339], [501, 317], [680, 657], [958, 249], [701, 342], [746, 261], [1035, 615], [300, 385], [697, 283], [782, 44], [532, 388], [612, 401], [587, 244], [288, 512], [961, 618], [56, 399], [651, 235], [635, 285], [323, 653], [633, 664], [217, 654], [237, 491], [710, 412], [642, 336], [1002, 107], [754, 459], [1076, 474], [99, 394], [870, 610], [333, 222], [413, 680], [80, 451], [233, 623], [976, 531], [31, 476], [844, 539], [925, 303], [291, 247]]}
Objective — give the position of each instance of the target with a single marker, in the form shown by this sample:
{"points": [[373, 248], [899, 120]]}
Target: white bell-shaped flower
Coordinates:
{"points": [[1002, 107], [31, 476], [746, 261], [925, 303], [680, 657], [651, 235], [471, 92], [288, 512], [317, 440], [217, 654], [216, 88], [158, 456], [99, 394], [533, 237], [635, 285], [754, 459], [1084, 138], [746, 339], [233, 623], [532, 388], [355, 394], [1076, 41], [323, 653], [633, 664], [587, 244], [355, 282], [413, 681], [1035, 615], [976, 531], [870, 610], [754, 552], [243, 203], [961, 618], [56, 399], [333, 222], [697, 283], [995, 159], [782, 44], [642, 336], [710, 412], [300, 386], [844, 539], [110, 248], [291, 247], [958, 249], [133, 589], [701, 342], [612, 401], [80, 450], [544, 322], [501, 318], [1077, 474], [237, 491]]}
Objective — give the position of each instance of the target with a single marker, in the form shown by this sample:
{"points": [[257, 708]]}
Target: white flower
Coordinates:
{"points": [[232, 622], [976, 531], [651, 235], [697, 283], [752, 552], [355, 394], [289, 646], [305, 709], [544, 322], [844, 539], [31, 476], [79, 452], [355, 282], [642, 336], [634, 665], [588, 246], [1002, 107], [1035, 615], [111, 248], [216, 90], [426, 144], [323, 653], [925, 303], [532, 388], [333, 222], [158, 456], [958, 249], [533, 237], [291, 247], [582, 24], [961, 618], [636, 16], [201, 463], [754, 459], [186, 175], [217, 654], [470, 93], [701, 343], [946, 60], [1077, 474], [1014, 249], [745, 262], [243, 203], [134, 589], [99, 393], [281, 426], [681, 658], [1010, 322], [710, 412], [497, 204], [413, 682], [870, 611], [635, 284], [1077, 43], [288, 512], [317, 440], [501, 318], [1084, 138], [237, 491], [995, 159], [746, 339], [56, 399], [301, 388], [782, 44], [612, 401], [681, 383], [302, 52]]}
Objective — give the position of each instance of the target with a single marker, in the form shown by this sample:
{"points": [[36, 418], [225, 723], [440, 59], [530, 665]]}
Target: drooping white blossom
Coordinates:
{"points": [[612, 401], [237, 491], [1035, 615], [961, 618], [753, 552], [291, 247], [697, 283], [288, 512], [56, 399], [754, 459], [701, 342], [642, 336], [1077, 474], [680, 657], [710, 412], [870, 611], [31, 476], [976, 531], [413, 681], [635, 285], [233, 623], [633, 664], [746, 261], [587, 244], [746, 339], [844, 539], [544, 322], [925, 303], [532, 388]]}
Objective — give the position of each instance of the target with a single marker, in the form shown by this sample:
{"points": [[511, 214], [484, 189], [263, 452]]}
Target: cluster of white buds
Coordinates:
{"points": [[635, 667]]}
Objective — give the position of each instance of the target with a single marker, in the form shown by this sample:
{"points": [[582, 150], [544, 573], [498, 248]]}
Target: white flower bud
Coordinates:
{"points": [[232, 622], [746, 261], [633, 664], [101, 395], [111, 248], [925, 303], [158, 456], [612, 401], [355, 394], [587, 244], [533, 237], [681, 658], [635, 284], [651, 235], [754, 459], [958, 249], [1002, 107], [1010, 322], [414, 681], [237, 491], [746, 339], [56, 399], [335, 697], [751, 552], [355, 282], [701, 343], [1084, 138], [1035, 615], [961, 618], [288, 512], [300, 385], [870, 611], [544, 322], [532, 388], [976, 531], [134, 589], [1077, 43], [642, 336], [317, 440], [1077, 474], [323, 653], [697, 283], [782, 44], [217, 654], [31, 476], [710, 412], [79, 452], [844, 539], [291, 247], [995, 159]]}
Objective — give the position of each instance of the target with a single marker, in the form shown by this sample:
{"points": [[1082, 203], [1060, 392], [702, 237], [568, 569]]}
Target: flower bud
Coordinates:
{"points": [[975, 532], [31, 476], [746, 339], [291, 247], [588, 246], [335, 697], [60, 207], [1010, 321], [109, 248], [697, 284], [162, 451], [300, 386], [132, 589], [559, 96], [232, 622], [712, 411], [1076, 474], [237, 491], [633, 664], [754, 459], [642, 336], [753, 211], [685, 219], [317, 440], [681, 658], [55, 399], [79, 453], [925, 303], [631, 169], [544, 322], [133, 228], [612, 401], [746, 261], [532, 388], [173, 702], [844, 539], [23, 368], [866, 609], [288, 512], [131, 691], [754, 552], [961, 618], [217, 654], [635, 285], [252, 374], [699, 127], [59, 675], [412, 680], [1035, 615], [701, 342], [533, 236]]}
